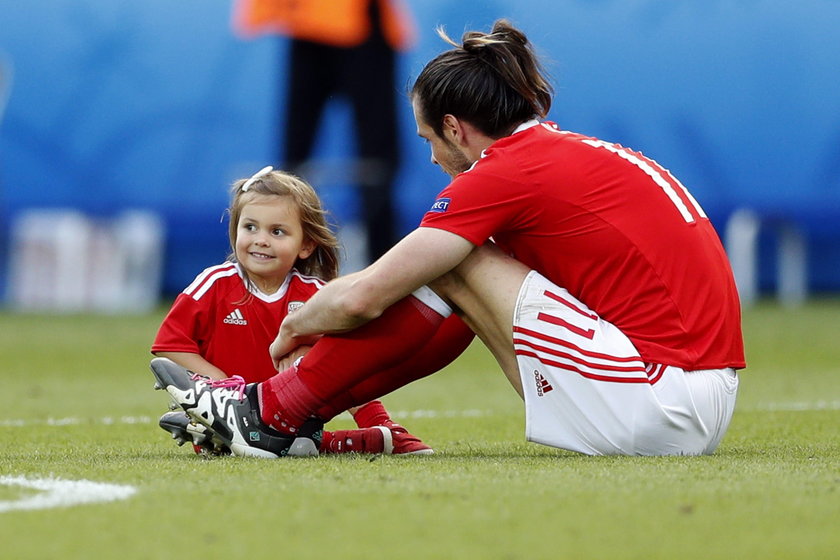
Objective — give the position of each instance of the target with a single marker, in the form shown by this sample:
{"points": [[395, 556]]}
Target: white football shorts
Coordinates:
{"points": [[587, 389]]}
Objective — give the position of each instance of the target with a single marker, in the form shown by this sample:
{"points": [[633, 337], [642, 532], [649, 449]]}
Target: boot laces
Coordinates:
{"points": [[234, 383]]}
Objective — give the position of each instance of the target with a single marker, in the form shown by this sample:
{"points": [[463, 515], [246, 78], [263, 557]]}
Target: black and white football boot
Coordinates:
{"points": [[232, 414], [184, 429]]}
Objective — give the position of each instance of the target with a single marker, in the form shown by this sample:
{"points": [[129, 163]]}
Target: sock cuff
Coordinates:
{"points": [[286, 402], [370, 414], [433, 301]]}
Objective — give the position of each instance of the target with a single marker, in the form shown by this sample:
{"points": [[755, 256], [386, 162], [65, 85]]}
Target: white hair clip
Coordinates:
{"points": [[261, 173]]}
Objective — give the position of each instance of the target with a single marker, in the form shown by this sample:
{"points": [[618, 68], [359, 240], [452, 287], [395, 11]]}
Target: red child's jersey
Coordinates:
{"points": [[615, 229], [217, 318]]}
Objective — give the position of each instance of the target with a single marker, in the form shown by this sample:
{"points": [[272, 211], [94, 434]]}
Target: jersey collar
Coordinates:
{"points": [[259, 294], [525, 126]]}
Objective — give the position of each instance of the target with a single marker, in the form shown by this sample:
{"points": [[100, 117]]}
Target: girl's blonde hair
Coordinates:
{"points": [[323, 262]]}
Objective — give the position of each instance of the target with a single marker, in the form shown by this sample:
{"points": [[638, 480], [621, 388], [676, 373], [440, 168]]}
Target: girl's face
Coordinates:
{"points": [[269, 239]]}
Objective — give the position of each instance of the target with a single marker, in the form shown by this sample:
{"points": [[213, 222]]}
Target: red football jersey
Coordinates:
{"points": [[615, 229], [215, 317]]}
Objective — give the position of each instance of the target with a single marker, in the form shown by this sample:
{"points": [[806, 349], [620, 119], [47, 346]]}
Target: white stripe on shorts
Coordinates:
{"points": [[570, 357], [580, 342]]}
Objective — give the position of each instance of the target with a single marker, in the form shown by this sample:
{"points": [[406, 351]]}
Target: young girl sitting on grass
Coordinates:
{"points": [[222, 324]]}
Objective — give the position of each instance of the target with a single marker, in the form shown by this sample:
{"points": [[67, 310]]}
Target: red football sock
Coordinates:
{"points": [[338, 362], [285, 402], [370, 414], [449, 342]]}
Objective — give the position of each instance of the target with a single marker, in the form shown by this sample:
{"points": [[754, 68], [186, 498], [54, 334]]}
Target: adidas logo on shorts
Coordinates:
{"points": [[235, 318], [543, 386]]}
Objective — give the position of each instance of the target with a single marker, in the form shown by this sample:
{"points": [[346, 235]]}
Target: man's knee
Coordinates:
{"points": [[487, 267], [456, 280]]}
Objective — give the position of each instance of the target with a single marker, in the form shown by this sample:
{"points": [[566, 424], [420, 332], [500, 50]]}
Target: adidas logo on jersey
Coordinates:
{"points": [[543, 386], [235, 318]]}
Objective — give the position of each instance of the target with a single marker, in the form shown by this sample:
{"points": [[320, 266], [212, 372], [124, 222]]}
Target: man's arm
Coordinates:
{"points": [[350, 301]]}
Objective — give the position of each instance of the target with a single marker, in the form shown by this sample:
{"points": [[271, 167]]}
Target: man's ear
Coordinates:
{"points": [[453, 129]]}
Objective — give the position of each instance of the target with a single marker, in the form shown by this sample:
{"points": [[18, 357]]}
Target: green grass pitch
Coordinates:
{"points": [[78, 405]]}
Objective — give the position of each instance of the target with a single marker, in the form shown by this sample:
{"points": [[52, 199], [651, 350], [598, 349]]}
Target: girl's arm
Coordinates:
{"points": [[195, 363]]}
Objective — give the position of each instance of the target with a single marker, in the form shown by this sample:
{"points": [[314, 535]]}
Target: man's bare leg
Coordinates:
{"points": [[484, 289]]}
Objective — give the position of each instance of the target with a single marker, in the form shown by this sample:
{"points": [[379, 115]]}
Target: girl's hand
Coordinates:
{"points": [[280, 348], [286, 361], [285, 344]]}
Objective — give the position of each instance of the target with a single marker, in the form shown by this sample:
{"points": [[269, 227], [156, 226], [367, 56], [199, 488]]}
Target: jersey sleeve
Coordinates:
{"points": [[182, 328], [478, 204]]}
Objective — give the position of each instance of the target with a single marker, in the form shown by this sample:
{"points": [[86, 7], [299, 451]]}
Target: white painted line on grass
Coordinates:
{"points": [[111, 420], [55, 493], [430, 413], [74, 421], [796, 406]]}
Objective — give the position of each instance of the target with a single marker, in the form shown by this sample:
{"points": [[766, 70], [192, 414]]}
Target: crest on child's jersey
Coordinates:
{"points": [[294, 306]]}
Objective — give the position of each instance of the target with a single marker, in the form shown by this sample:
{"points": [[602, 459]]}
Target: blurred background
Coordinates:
{"points": [[122, 125]]}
